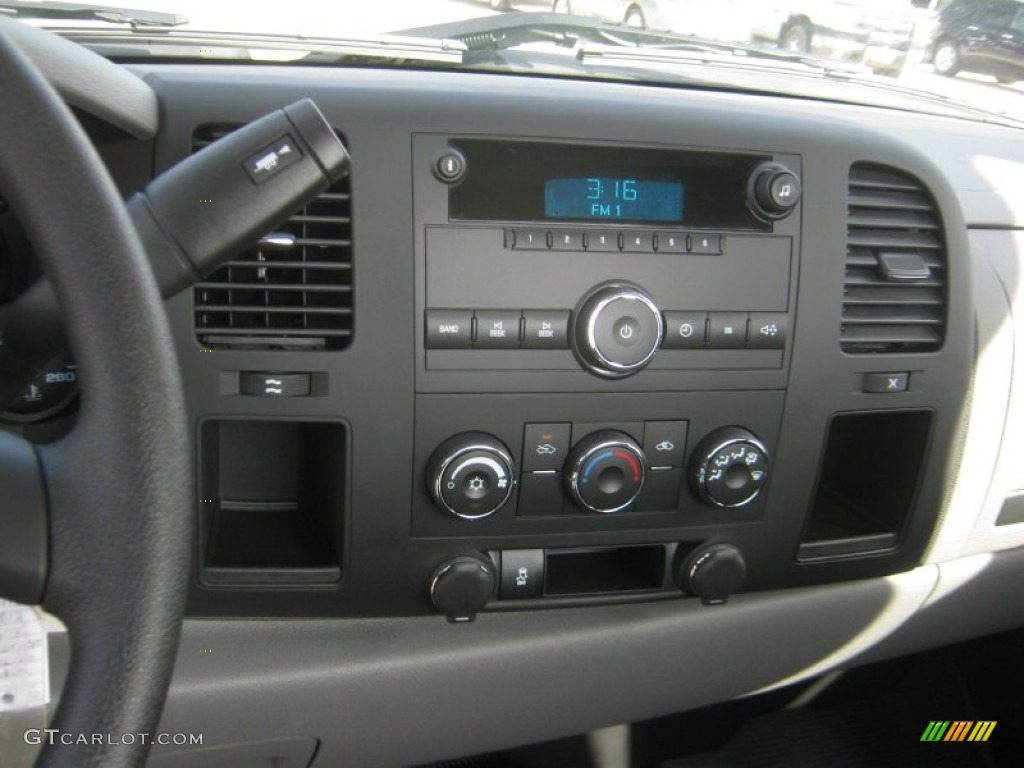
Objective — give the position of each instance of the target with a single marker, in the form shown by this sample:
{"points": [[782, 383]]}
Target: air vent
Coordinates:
{"points": [[294, 289], [895, 286]]}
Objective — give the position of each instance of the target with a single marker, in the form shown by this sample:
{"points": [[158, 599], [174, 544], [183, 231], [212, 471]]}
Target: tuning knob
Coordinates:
{"points": [[471, 475], [773, 191], [604, 472], [618, 330], [713, 573], [731, 467], [461, 587]]}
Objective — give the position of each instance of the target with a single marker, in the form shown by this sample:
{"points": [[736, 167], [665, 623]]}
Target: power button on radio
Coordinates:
{"points": [[617, 331]]}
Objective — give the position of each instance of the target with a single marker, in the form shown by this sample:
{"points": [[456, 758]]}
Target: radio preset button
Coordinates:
{"points": [[684, 330], [638, 242], [529, 239], [567, 240], [497, 329], [727, 330], [671, 242], [449, 329], [705, 244], [603, 240]]}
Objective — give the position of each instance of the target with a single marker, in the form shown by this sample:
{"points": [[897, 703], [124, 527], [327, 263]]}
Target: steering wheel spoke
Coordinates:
{"points": [[109, 504], [23, 545]]}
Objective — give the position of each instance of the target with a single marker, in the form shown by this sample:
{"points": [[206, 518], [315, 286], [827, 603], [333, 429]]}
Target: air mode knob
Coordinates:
{"points": [[618, 330], [731, 467], [471, 475], [604, 471], [774, 191]]}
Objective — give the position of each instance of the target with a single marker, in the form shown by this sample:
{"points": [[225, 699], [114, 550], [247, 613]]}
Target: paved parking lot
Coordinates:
{"points": [[341, 18]]}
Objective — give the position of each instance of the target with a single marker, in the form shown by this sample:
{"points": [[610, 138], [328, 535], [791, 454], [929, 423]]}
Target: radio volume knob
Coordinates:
{"points": [[617, 331], [604, 471], [774, 191]]}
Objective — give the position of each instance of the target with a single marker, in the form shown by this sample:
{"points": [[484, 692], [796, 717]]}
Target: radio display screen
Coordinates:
{"points": [[613, 184], [608, 198]]}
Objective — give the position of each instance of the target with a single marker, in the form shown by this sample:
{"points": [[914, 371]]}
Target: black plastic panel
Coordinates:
{"points": [[400, 402]]}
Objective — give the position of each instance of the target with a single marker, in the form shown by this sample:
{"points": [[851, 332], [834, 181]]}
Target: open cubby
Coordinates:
{"points": [[272, 501], [869, 477]]}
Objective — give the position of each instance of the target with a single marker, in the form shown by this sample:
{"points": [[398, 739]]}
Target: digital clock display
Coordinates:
{"points": [[613, 199]]}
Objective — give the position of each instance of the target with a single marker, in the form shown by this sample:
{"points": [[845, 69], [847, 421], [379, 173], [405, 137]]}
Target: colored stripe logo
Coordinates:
{"points": [[958, 730]]}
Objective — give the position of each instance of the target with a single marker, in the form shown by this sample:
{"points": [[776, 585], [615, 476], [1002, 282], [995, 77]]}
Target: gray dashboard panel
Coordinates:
{"points": [[396, 692]]}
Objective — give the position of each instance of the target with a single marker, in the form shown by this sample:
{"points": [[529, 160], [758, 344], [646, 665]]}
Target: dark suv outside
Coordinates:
{"points": [[982, 36]]}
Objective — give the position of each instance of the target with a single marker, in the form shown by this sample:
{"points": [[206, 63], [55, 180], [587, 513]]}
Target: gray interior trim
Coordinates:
{"points": [[507, 679], [87, 81], [990, 601]]}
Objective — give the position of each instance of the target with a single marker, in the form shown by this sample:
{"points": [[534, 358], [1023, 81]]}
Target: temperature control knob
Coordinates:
{"points": [[618, 330], [731, 468], [471, 475], [604, 472], [774, 190]]}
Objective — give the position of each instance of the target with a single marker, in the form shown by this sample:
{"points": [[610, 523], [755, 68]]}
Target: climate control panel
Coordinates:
{"points": [[586, 470]]}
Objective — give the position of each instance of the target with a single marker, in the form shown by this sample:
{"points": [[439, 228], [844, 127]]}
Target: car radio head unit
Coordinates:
{"points": [[535, 181]]}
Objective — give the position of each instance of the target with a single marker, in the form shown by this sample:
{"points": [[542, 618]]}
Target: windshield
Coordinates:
{"points": [[954, 57]]}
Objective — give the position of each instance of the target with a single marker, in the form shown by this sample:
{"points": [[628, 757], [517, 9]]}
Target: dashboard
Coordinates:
{"points": [[576, 387]]}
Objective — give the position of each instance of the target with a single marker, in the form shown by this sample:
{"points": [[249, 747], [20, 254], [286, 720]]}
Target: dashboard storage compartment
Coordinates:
{"points": [[604, 570], [272, 502], [867, 484]]}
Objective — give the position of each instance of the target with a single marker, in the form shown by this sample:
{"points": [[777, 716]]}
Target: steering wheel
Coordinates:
{"points": [[117, 487]]}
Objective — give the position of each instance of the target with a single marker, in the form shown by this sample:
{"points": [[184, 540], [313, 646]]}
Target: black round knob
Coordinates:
{"points": [[618, 330], [713, 573], [774, 191], [731, 467], [604, 472], [461, 587], [449, 166], [471, 475]]}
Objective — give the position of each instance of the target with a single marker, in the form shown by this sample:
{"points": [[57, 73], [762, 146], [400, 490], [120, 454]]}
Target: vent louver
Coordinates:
{"points": [[895, 286], [294, 289]]}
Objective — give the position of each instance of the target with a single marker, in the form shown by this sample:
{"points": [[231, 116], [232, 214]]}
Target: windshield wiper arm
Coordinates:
{"points": [[511, 30], [27, 9], [380, 48]]}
